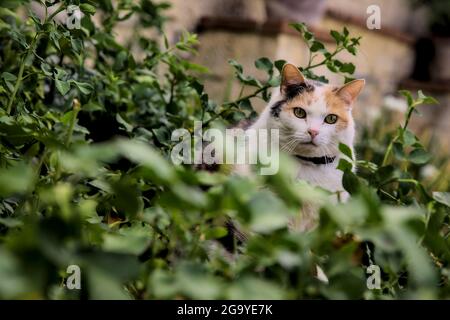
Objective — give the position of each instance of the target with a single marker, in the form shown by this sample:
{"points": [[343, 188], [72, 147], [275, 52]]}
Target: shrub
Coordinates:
{"points": [[85, 178]]}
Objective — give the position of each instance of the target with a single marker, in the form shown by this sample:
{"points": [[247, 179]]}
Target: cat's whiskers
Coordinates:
{"points": [[295, 140], [289, 146]]}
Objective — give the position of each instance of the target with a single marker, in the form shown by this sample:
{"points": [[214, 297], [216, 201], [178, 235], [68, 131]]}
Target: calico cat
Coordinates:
{"points": [[312, 119]]}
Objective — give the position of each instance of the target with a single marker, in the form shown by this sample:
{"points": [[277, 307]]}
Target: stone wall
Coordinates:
{"points": [[397, 14], [383, 61]]}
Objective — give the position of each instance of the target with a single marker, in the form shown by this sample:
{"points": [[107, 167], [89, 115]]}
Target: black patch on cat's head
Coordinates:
{"points": [[292, 90], [276, 108], [317, 83]]}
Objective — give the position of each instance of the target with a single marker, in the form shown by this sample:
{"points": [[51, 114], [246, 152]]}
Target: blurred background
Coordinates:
{"points": [[411, 50]]}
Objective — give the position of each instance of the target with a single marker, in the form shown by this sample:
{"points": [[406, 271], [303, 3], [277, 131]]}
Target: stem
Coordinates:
{"points": [[403, 129], [388, 151], [412, 181], [325, 60], [20, 75], [408, 116], [310, 59], [173, 82], [390, 196], [217, 115], [242, 91], [254, 94], [16, 86], [76, 110], [22, 63], [39, 165]]}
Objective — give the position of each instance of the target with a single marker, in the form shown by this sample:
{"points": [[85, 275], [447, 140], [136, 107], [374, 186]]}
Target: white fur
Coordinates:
{"points": [[293, 135]]}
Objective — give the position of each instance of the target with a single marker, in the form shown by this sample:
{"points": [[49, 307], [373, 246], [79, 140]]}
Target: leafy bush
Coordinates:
{"points": [[85, 178]]}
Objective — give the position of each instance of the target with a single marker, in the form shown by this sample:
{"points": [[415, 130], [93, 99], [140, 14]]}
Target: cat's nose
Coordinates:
{"points": [[313, 133]]}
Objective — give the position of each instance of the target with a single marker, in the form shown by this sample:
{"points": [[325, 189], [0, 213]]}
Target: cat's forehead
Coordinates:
{"points": [[316, 98]]}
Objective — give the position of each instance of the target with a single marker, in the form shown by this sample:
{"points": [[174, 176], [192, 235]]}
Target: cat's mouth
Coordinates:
{"points": [[310, 143]]}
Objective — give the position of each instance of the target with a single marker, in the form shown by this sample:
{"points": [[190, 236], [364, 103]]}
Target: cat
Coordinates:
{"points": [[313, 118]]}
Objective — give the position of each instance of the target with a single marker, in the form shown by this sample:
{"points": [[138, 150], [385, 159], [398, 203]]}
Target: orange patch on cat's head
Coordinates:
{"points": [[340, 100], [336, 105]]}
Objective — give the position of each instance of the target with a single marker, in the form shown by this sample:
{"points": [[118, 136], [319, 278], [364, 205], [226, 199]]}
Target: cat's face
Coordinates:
{"points": [[313, 118]]}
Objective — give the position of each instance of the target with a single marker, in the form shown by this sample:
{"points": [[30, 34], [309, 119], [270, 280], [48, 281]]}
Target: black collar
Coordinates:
{"points": [[317, 160]]}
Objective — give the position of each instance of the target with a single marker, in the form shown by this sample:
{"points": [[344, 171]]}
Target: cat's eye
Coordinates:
{"points": [[331, 119], [299, 113]]}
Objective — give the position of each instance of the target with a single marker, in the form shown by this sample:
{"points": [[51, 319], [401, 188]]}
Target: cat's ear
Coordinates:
{"points": [[350, 91], [290, 75]]}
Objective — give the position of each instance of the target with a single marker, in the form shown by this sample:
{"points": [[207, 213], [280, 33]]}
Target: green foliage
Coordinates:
{"points": [[85, 179]]}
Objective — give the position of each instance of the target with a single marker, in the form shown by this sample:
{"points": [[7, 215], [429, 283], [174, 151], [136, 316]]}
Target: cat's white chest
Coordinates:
{"points": [[324, 176]]}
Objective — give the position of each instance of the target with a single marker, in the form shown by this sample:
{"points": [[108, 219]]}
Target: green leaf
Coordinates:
{"points": [[85, 88], [248, 80], [246, 105], [16, 179], [351, 182], [146, 156], [346, 32], [9, 79], [352, 50], [408, 96], [331, 66], [316, 46], [336, 35], [103, 286], [399, 151], [279, 64], [347, 68], [236, 65], [344, 165], [424, 99], [300, 27], [267, 213], [264, 64], [308, 36], [62, 86], [250, 287], [87, 8], [442, 197], [216, 233], [133, 240], [11, 222], [419, 156], [128, 127], [409, 138], [14, 282], [47, 69], [346, 150], [195, 282]]}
